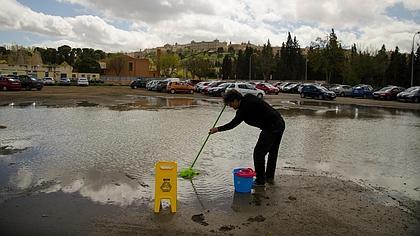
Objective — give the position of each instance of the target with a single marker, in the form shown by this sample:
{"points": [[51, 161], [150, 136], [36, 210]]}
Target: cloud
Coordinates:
{"points": [[154, 23], [86, 30]]}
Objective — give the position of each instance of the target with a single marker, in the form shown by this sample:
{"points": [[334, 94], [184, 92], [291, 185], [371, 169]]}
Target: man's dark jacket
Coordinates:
{"points": [[256, 112]]}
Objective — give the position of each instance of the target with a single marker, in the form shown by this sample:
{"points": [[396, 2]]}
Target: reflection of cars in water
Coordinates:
{"points": [[29, 83], [362, 90], [319, 92], [246, 88], [180, 87], [411, 94], [267, 88], [388, 93], [9, 83], [342, 90]]}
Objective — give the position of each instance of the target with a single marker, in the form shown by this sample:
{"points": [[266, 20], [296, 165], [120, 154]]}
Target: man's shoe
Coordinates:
{"points": [[270, 181], [257, 183]]}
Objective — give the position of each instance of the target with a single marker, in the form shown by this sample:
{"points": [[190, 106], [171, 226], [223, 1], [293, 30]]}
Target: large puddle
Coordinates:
{"points": [[108, 154]]}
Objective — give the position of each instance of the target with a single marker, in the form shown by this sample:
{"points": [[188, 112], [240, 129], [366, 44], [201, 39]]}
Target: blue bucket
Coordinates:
{"points": [[243, 179]]}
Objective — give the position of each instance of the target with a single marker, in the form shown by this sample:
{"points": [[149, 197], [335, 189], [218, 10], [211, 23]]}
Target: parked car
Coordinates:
{"points": [[82, 82], [246, 88], [64, 81], [267, 88], [96, 81], [219, 90], [9, 83], [291, 88], [161, 86], [329, 86], [362, 90], [282, 85], [301, 86], [29, 83], [213, 84], [199, 86], [180, 87], [411, 94], [139, 83], [342, 90], [388, 93], [48, 81], [315, 91], [151, 84]]}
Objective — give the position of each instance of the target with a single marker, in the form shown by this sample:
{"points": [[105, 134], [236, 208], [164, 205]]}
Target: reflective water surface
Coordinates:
{"points": [[108, 154]]}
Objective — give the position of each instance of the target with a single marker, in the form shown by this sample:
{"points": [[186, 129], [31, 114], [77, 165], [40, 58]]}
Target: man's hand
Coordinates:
{"points": [[213, 130]]}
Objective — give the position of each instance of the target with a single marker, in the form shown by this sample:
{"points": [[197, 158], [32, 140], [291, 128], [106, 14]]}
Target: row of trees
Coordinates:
{"points": [[325, 60], [82, 59]]}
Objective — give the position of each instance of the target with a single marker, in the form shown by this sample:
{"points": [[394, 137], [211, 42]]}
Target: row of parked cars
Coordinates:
{"points": [[260, 89], [359, 91], [18, 82], [213, 88]]}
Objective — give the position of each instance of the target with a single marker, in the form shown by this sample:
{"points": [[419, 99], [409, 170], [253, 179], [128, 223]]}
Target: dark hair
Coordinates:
{"points": [[231, 96]]}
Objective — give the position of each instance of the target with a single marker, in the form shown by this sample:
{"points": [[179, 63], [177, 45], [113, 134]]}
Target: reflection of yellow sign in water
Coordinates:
{"points": [[166, 184]]}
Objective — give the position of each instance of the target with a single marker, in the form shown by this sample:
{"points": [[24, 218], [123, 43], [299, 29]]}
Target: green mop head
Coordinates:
{"points": [[188, 173]]}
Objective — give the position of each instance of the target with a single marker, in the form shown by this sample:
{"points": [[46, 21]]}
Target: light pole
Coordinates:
{"points": [[306, 69], [412, 58]]}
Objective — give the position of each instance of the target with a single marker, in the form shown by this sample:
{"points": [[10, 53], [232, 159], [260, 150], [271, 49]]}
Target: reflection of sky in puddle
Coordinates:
{"points": [[145, 102], [108, 156]]}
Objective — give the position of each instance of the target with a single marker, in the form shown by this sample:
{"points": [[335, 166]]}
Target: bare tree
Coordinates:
{"points": [[116, 63]]}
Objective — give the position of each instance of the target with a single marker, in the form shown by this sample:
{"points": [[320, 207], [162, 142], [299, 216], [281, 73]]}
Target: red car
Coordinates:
{"points": [[9, 83], [267, 88], [388, 93]]}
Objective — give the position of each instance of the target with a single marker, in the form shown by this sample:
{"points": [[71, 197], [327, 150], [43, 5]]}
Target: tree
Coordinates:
{"points": [[380, 65], [116, 63], [241, 66], [227, 67], [267, 62], [334, 60], [87, 65], [200, 67], [169, 63], [416, 68], [397, 72], [18, 55], [63, 54], [290, 62]]}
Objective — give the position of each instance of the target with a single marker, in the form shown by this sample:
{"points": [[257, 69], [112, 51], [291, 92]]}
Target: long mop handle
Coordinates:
{"points": [[208, 137]]}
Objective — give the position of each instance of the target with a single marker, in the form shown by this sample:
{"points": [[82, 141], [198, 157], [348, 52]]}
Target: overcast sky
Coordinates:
{"points": [[130, 25]]}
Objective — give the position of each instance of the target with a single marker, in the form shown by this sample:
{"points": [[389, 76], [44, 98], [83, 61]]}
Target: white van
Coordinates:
{"points": [[172, 80]]}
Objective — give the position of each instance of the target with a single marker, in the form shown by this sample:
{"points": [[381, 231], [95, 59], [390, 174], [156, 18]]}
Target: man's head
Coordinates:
{"points": [[232, 98]]}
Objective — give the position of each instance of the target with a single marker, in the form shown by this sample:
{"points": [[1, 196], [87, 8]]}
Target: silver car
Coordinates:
{"points": [[245, 88], [342, 90]]}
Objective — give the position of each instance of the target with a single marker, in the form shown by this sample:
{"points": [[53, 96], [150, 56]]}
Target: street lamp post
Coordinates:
{"points": [[412, 58], [306, 69]]}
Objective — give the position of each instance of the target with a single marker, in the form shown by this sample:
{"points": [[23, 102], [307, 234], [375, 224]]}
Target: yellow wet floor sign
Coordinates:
{"points": [[165, 184]]}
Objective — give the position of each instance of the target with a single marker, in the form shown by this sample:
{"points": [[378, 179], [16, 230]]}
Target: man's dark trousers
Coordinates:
{"points": [[268, 142]]}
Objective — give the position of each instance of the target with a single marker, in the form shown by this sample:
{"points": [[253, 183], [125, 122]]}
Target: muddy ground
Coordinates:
{"points": [[294, 205]]}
